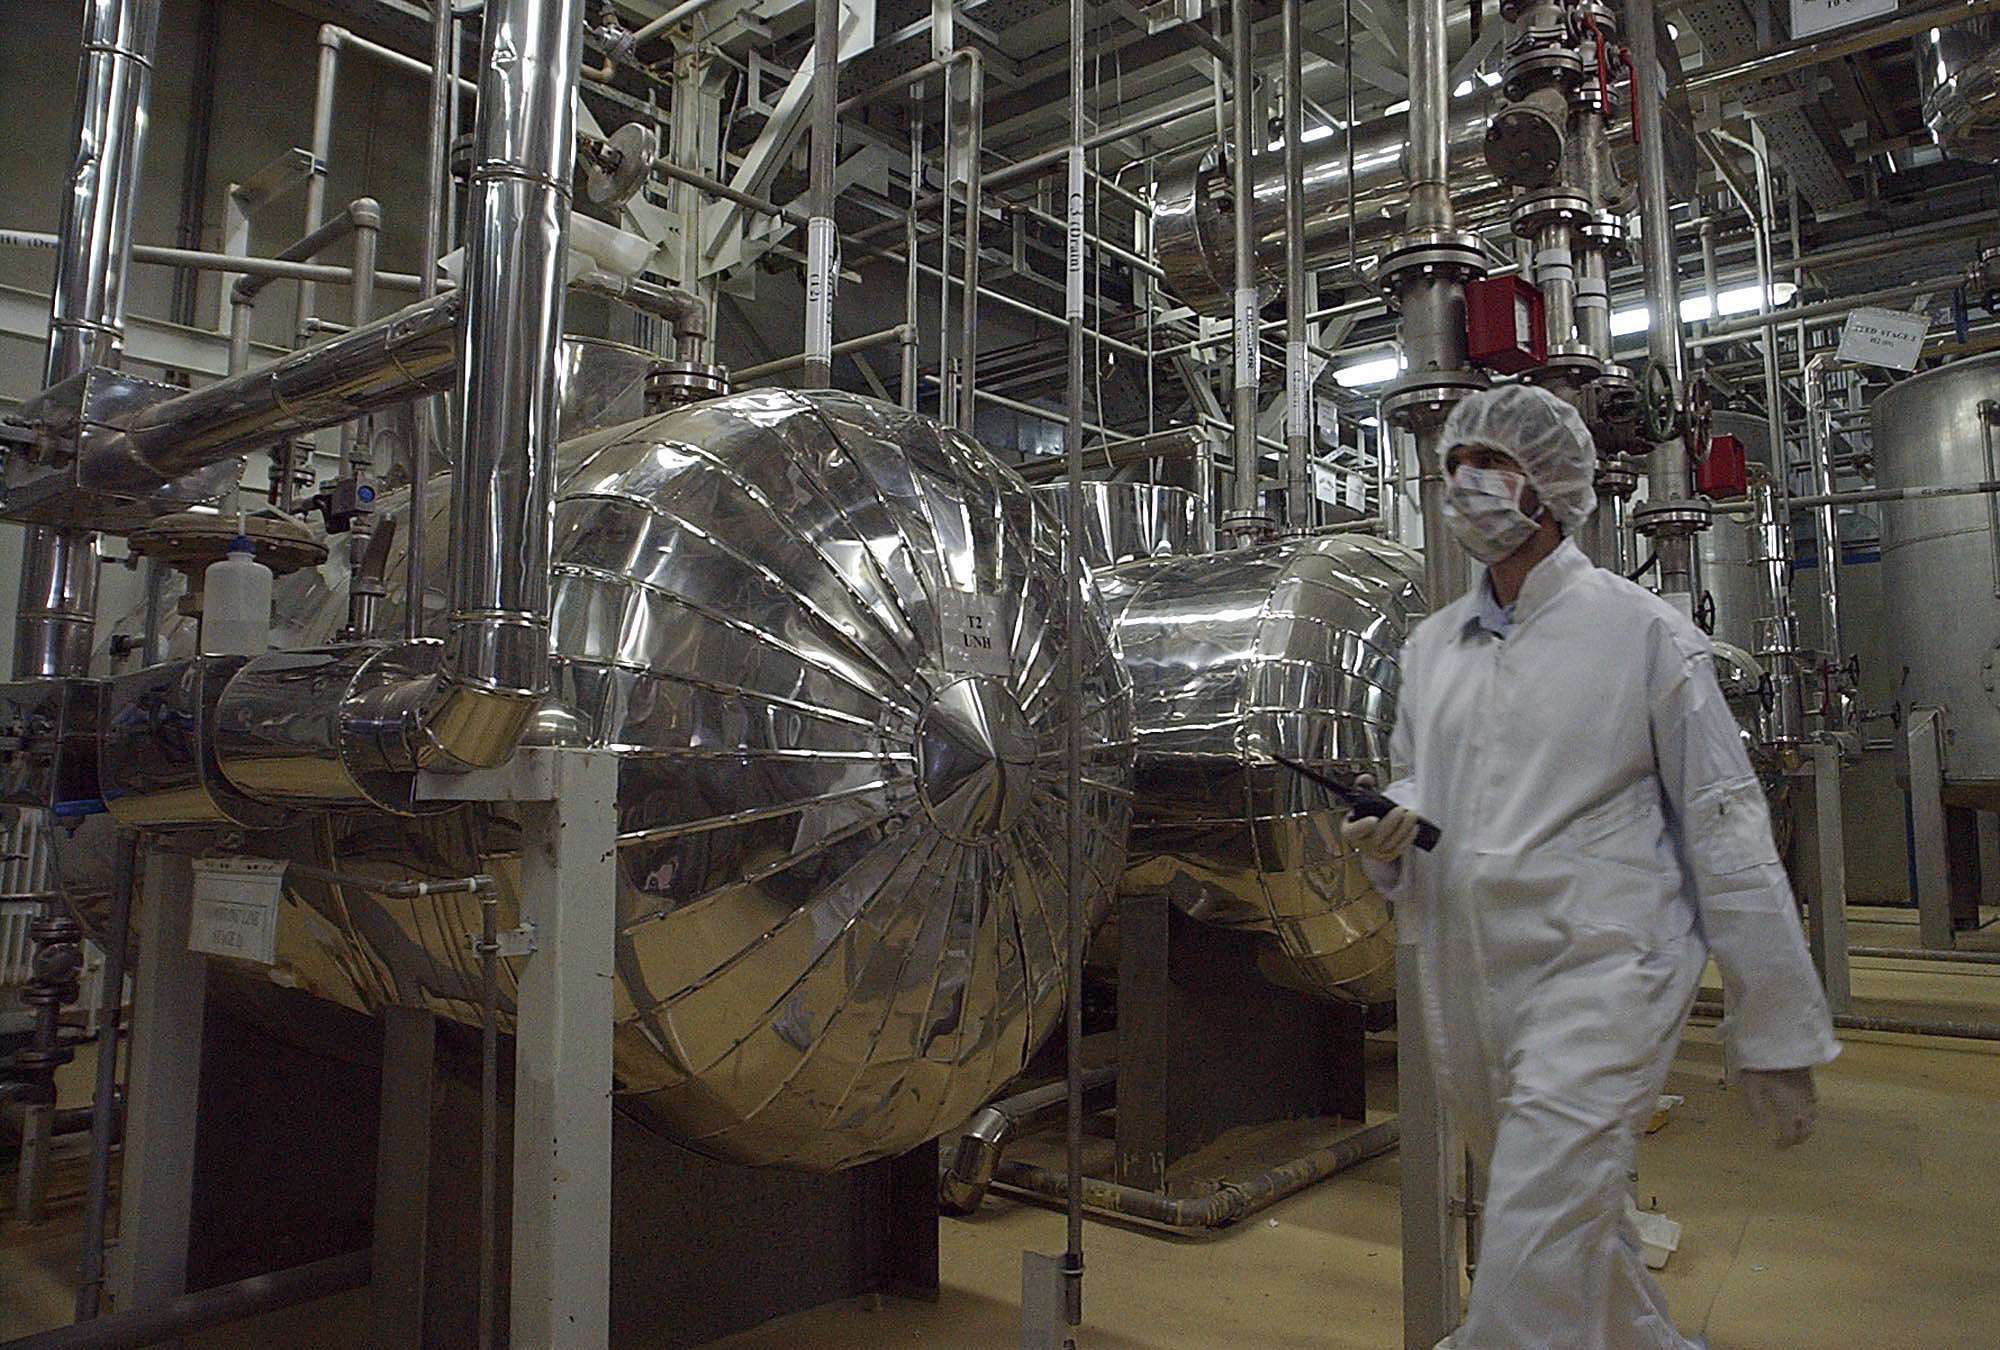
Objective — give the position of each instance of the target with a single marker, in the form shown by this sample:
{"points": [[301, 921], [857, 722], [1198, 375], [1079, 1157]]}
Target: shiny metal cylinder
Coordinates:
{"points": [[1958, 70], [1732, 566], [1195, 239], [1246, 502], [517, 243], [1941, 563], [58, 592], [1299, 496], [1427, 159], [1826, 519], [822, 154], [101, 191], [1289, 647], [1123, 522], [840, 908]]}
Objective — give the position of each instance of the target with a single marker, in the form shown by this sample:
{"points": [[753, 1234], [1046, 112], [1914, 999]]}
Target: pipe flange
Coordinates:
{"points": [[1607, 231], [1249, 524], [1547, 62], [1672, 519], [1566, 360], [1420, 398], [1614, 479], [1428, 253], [1558, 205], [614, 172], [675, 384]]}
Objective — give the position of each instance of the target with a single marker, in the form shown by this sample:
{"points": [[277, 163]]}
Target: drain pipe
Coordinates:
{"points": [[973, 1162], [58, 596]]}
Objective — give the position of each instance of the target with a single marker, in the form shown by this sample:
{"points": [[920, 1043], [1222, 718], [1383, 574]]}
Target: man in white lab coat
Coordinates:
{"points": [[1603, 835]]}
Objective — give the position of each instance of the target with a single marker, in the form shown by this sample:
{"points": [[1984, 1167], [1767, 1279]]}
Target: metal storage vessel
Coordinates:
{"points": [[826, 638], [1293, 647], [1941, 565], [1123, 522], [1731, 568]]}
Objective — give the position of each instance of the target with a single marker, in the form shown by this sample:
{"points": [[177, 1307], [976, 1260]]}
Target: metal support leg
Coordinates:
{"points": [[402, 1177], [1430, 1244], [1829, 911], [169, 997], [1927, 852], [31, 1176], [560, 1294]]}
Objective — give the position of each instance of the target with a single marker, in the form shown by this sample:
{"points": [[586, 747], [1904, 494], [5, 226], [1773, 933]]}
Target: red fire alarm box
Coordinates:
{"points": [[1726, 471], [1505, 327]]}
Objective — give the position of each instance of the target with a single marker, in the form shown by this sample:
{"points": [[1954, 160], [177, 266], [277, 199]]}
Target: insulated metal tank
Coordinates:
{"points": [[1123, 522], [1940, 568], [1958, 70], [1291, 646], [826, 638]]}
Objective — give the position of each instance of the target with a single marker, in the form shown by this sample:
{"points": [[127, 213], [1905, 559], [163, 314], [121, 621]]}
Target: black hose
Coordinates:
{"points": [[1644, 568]]}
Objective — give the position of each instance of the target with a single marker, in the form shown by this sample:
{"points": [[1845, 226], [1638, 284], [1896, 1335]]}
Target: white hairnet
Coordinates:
{"points": [[1541, 431]]}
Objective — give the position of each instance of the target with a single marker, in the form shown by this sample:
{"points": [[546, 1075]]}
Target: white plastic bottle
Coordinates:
{"points": [[236, 603]]}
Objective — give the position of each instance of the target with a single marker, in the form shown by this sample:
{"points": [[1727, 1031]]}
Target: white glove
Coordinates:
{"points": [[1382, 839], [1783, 1101]]}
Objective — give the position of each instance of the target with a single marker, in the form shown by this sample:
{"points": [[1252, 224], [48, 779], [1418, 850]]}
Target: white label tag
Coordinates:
{"points": [[235, 908], [821, 277], [1298, 393], [1820, 16], [1884, 337], [1073, 295], [975, 642], [1326, 485], [1248, 367]]}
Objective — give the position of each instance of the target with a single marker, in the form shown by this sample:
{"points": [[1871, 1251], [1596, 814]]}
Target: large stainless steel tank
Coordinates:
{"points": [[826, 638], [1939, 570], [1292, 646], [1123, 522]]}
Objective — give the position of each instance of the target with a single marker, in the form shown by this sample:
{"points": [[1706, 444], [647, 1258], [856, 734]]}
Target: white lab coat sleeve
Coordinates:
{"points": [[1776, 1011], [1392, 879]]}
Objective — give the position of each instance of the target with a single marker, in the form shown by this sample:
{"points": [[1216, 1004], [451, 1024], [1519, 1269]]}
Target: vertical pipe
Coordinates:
{"points": [[1667, 478], [104, 1106], [1246, 504], [436, 420], [322, 147], [968, 342], [517, 244], [58, 595], [1819, 448], [1073, 582], [489, 1114], [1298, 395], [819, 194], [361, 595], [910, 258]]}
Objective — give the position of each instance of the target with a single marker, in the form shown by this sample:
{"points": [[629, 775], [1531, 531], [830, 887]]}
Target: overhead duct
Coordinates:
{"points": [[1958, 68]]}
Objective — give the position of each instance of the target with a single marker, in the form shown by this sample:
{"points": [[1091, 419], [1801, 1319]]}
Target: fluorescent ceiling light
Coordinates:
{"points": [[1318, 131], [1371, 421], [1694, 308], [1375, 370]]}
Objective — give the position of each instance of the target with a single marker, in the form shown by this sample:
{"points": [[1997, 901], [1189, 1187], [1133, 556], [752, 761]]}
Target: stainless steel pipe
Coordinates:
{"points": [[1298, 377], [1246, 516], [57, 609], [824, 153]]}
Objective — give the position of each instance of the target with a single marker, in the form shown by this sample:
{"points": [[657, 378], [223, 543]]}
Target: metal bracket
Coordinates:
{"points": [[514, 942]]}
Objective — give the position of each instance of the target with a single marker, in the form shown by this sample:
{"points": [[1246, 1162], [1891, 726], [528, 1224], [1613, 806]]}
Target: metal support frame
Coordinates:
{"points": [[169, 1000], [402, 1177], [1929, 856], [561, 1242], [1829, 908]]}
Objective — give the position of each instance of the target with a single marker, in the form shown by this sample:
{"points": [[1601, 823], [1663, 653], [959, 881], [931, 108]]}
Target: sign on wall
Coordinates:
{"points": [[1884, 337], [1820, 16]]}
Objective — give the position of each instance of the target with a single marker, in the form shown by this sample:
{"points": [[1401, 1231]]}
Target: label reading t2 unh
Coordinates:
{"points": [[976, 642]]}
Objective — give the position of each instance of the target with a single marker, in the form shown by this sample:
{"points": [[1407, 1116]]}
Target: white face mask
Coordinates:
{"points": [[1482, 509]]}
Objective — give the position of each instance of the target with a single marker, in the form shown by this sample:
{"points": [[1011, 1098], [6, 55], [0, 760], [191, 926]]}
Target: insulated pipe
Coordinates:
{"points": [[437, 201], [57, 610], [819, 194], [524, 150], [1298, 375], [968, 332], [963, 1185], [1827, 515], [1246, 513]]}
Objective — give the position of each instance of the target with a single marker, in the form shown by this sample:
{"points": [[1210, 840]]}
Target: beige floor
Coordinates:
{"points": [[1881, 1232]]}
